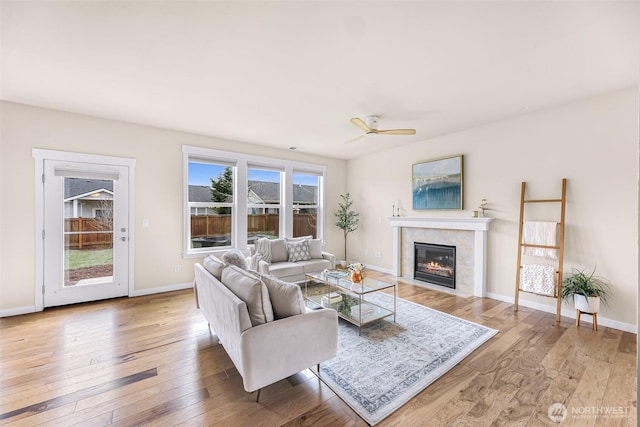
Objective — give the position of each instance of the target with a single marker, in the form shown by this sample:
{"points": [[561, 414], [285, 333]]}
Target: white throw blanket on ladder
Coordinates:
{"points": [[540, 233]]}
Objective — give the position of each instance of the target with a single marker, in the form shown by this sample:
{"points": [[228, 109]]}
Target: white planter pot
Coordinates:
{"points": [[344, 263], [586, 304]]}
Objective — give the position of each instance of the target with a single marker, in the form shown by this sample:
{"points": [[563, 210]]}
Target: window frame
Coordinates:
{"points": [[317, 205], [207, 205], [242, 163]]}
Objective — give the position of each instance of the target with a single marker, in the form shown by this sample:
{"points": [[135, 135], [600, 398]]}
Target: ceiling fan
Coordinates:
{"points": [[370, 127]]}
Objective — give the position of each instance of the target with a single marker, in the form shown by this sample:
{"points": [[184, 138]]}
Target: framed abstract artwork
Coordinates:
{"points": [[437, 184]]}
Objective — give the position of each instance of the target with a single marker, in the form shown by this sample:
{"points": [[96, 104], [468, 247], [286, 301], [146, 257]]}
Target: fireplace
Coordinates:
{"points": [[435, 264], [468, 235]]}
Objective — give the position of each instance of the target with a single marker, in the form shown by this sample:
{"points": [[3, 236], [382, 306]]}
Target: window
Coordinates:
{"points": [[277, 198], [211, 204], [264, 194], [306, 202]]}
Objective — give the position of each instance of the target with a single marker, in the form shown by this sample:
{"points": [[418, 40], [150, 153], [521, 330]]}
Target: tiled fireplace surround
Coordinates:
{"points": [[468, 235]]}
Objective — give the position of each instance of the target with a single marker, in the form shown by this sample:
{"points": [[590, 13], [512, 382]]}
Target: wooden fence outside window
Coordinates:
{"points": [[97, 233]]}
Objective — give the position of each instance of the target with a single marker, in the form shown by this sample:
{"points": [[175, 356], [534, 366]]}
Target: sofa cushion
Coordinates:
{"points": [[314, 265], [250, 289], [214, 265], [278, 250], [235, 257], [298, 251], [284, 269], [286, 298]]}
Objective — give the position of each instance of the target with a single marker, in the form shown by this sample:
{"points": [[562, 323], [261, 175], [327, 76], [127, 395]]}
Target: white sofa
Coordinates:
{"points": [[274, 257], [268, 352]]}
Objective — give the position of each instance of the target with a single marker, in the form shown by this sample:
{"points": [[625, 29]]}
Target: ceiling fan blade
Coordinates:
{"points": [[355, 139], [358, 122], [397, 132]]}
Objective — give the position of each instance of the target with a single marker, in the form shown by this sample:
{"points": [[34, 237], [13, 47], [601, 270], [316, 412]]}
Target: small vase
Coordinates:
{"points": [[356, 277]]}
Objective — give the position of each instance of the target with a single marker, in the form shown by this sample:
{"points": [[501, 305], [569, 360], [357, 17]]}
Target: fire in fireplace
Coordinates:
{"points": [[435, 264]]}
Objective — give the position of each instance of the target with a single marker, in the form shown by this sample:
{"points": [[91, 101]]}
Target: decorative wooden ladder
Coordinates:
{"points": [[559, 246]]}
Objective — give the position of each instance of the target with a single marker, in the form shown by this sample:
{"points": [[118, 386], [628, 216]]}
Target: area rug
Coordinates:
{"points": [[381, 370]]}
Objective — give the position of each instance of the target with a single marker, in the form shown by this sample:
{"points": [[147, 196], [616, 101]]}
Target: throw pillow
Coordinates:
{"points": [[315, 248], [278, 250], [235, 257], [315, 245], [252, 291], [286, 298], [214, 265], [298, 251]]}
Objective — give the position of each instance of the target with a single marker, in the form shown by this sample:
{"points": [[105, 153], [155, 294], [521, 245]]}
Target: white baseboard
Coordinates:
{"points": [[380, 269], [18, 311], [151, 291], [567, 312]]}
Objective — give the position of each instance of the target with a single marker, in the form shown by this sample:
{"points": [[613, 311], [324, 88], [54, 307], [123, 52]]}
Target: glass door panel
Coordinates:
{"points": [[88, 232]]}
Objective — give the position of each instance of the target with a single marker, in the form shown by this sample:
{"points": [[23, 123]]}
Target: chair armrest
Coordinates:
{"points": [[263, 267], [227, 314], [276, 350], [331, 258]]}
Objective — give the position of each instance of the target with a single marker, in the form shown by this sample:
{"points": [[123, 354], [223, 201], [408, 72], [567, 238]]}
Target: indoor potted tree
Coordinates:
{"points": [[346, 220], [587, 290]]}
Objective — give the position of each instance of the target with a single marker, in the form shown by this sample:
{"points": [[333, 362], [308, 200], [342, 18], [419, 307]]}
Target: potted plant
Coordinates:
{"points": [[587, 290], [346, 220]]}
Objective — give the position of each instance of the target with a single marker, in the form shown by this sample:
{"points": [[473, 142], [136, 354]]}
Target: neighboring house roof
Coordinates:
{"points": [[269, 192], [305, 194], [79, 187], [265, 191], [199, 193]]}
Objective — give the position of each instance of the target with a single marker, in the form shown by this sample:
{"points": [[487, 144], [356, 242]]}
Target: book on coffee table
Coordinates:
{"points": [[336, 274], [332, 298]]}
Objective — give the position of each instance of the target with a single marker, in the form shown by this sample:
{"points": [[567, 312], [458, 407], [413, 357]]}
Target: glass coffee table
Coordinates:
{"points": [[348, 298]]}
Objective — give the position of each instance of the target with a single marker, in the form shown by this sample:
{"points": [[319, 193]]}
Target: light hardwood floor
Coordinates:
{"points": [[151, 360]]}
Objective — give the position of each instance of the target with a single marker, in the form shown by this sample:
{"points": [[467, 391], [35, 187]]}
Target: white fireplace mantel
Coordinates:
{"points": [[480, 227]]}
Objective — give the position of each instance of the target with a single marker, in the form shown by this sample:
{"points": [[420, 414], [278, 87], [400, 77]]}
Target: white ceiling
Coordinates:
{"points": [[287, 74]]}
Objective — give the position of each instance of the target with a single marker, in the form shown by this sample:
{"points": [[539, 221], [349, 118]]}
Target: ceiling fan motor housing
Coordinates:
{"points": [[371, 122]]}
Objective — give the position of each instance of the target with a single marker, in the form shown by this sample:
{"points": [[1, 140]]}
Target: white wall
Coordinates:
{"points": [[158, 191], [593, 143]]}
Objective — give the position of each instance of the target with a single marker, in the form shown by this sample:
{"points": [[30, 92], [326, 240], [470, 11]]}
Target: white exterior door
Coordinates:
{"points": [[85, 232]]}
